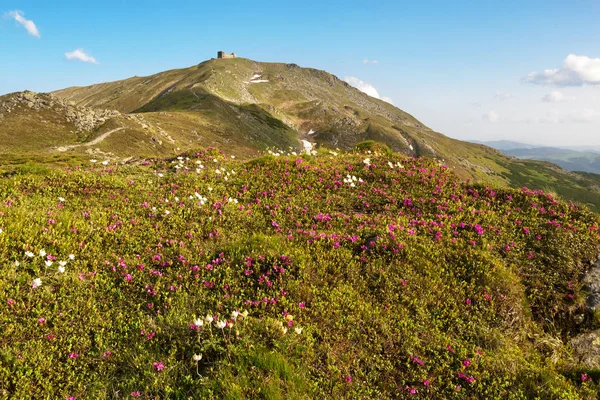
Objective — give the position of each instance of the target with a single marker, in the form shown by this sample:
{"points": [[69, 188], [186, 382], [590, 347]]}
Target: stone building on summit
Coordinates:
{"points": [[222, 54]]}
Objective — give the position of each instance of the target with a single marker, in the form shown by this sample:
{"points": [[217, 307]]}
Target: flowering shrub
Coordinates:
{"points": [[362, 275]]}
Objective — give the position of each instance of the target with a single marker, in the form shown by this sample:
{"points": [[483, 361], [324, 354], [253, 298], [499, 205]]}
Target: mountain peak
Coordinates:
{"points": [[247, 107]]}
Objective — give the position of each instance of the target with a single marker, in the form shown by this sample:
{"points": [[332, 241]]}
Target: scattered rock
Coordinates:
{"points": [[586, 349]]}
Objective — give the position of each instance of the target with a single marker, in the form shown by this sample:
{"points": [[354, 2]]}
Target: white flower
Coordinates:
{"points": [[1, 231], [221, 324], [61, 199], [17, 263], [167, 212], [199, 322], [234, 314], [48, 263], [37, 282], [42, 253], [160, 175], [62, 263], [215, 160], [298, 330], [92, 160], [232, 156], [29, 254], [61, 269], [284, 330], [104, 162], [71, 256], [367, 161], [197, 357], [208, 318]]}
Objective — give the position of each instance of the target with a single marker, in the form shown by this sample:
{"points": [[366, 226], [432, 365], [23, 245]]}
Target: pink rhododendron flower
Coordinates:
{"points": [[158, 365]]}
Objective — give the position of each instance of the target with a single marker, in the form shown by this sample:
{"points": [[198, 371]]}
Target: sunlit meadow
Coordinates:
{"points": [[355, 275]]}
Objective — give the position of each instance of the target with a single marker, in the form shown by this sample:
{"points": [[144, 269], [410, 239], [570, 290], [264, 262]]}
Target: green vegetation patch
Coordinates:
{"points": [[360, 275]]}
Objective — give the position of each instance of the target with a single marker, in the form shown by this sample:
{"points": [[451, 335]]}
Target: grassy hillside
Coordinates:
{"points": [[284, 102], [352, 276], [248, 107]]}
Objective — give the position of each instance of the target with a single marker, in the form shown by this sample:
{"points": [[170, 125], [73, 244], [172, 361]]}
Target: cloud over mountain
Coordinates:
{"points": [[574, 71], [80, 55], [502, 96], [362, 86], [28, 24], [491, 116], [556, 96]]}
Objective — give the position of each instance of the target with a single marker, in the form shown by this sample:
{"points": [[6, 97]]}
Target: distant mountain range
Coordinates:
{"points": [[586, 159]]}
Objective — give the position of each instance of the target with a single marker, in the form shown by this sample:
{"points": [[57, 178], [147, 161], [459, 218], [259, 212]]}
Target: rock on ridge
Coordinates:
{"points": [[84, 118]]}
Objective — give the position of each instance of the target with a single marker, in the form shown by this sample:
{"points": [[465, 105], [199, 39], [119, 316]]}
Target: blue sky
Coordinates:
{"points": [[462, 69]]}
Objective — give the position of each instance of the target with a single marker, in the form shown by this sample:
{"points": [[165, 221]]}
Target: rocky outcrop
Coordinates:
{"points": [[586, 346], [591, 283], [84, 118]]}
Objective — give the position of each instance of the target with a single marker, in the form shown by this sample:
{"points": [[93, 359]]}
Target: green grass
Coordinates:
{"points": [[379, 273]]}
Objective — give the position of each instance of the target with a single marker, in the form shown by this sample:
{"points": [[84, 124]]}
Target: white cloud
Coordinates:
{"points": [[366, 61], [502, 96], [363, 86], [556, 97], [491, 116], [80, 55], [28, 24], [388, 100], [586, 115], [574, 71]]}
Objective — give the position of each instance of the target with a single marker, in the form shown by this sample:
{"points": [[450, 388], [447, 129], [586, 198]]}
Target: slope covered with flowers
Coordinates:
{"points": [[360, 275]]}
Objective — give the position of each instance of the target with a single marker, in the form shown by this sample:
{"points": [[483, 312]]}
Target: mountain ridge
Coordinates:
{"points": [[567, 158], [247, 107]]}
